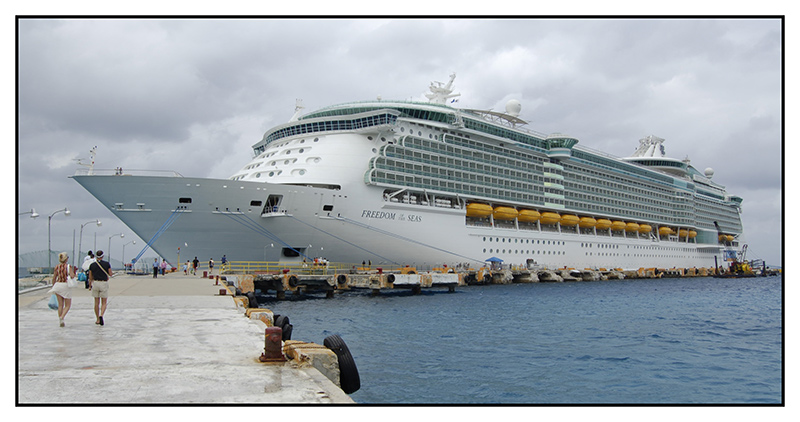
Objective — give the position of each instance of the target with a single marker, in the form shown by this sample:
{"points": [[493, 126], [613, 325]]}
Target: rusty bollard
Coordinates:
{"points": [[273, 349]]}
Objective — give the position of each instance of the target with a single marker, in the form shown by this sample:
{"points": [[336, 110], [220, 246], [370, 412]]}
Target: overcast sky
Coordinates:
{"points": [[193, 96]]}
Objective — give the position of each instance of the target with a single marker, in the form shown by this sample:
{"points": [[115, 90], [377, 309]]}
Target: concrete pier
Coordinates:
{"points": [[170, 340]]}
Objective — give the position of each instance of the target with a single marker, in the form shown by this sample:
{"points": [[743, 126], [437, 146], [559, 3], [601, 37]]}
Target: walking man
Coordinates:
{"points": [[99, 274], [155, 267]]}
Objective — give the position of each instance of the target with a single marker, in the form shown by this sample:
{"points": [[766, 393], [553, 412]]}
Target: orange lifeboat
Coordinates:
{"points": [[665, 231], [645, 228], [618, 225], [479, 210], [505, 213], [603, 224], [692, 234], [587, 222], [550, 218], [729, 238], [569, 220], [632, 227], [683, 233], [529, 216]]}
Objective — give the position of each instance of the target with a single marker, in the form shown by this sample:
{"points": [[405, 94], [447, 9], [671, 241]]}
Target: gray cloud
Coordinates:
{"points": [[193, 95]]}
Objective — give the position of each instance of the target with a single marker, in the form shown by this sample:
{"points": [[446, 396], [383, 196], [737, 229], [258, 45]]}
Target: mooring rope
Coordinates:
{"points": [[164, 227], [397, 236], [345, 241]]}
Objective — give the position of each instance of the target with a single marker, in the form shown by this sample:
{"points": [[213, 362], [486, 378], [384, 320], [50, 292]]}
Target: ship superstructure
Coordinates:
{"points": [[425, 183]]}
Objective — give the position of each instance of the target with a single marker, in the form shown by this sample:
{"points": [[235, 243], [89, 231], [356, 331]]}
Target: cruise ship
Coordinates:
{"points": [[427, 184]]}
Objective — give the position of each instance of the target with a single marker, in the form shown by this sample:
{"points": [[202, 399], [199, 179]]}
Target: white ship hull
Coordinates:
{"points": [[361, 226]]}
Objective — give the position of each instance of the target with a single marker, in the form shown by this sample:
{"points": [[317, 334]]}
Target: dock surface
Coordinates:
{"points": [[171, 340]]}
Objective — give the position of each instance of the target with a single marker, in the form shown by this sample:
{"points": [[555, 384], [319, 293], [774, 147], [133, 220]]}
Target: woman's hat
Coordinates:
{"points": [[62, 257]]}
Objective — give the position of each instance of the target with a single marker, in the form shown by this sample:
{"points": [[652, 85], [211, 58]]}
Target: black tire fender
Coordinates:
{"points": [[348, 373], [252, 302], [283, 322], [293, 281], [341, 279], [390, 278]]}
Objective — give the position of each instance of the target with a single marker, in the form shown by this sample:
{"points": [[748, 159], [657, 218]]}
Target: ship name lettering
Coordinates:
{"points": [[378, 214]]}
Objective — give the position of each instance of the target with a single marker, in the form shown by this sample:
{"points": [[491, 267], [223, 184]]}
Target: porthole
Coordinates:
{"points": [[259, 175], [369, 137], [374, 151], [272, 173], [316, 139], [301, 151]]}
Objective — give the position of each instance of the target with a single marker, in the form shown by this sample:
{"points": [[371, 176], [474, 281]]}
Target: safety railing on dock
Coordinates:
{"points": [[307, 268]]}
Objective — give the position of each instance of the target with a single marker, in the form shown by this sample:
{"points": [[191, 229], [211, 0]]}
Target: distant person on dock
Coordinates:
{"points": [[163, 266], [210, 265], [186, 268], [155, 267], [194, 265], [99, 274], [224, 261], [87, 261], [60, 287]]}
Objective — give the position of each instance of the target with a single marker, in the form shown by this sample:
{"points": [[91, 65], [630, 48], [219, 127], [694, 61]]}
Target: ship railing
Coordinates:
{"points": [[126, 172]]}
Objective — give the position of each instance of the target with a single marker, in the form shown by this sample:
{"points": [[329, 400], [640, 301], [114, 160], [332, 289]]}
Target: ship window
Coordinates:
{"points": [[185, 200], [327, 208], [255, 203]]}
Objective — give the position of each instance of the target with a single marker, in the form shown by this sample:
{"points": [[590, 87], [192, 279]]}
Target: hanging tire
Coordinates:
{"points": [[283, 322], [293, 281], [252, 302], [348, 373]]}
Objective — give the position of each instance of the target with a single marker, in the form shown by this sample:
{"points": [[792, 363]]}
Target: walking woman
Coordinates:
{"points": [[60, 287]]}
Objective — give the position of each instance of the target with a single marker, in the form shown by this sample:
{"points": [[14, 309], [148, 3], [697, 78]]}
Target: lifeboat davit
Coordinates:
{"points": [[692, 234], [550, 218], [603, 224], [528, 216], [618, 225], [479, 210], [505, 213], [569, 220], [632, 227], [645, 228], [665, 231], [587, 222]]}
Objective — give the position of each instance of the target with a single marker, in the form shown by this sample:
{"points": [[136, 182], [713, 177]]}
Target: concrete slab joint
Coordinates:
{"points": [[302, 355]]}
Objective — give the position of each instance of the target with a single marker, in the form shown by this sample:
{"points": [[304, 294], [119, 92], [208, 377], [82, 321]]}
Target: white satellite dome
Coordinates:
{"points": [[709, 172], [513, 107]]}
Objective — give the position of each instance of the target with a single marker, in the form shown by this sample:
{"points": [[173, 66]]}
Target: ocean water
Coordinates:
{"points": [[668, 341]]}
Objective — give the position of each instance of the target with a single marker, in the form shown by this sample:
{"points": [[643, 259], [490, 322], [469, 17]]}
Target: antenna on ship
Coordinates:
{"points": [[92, 153], [440, 93], [298, 107]]}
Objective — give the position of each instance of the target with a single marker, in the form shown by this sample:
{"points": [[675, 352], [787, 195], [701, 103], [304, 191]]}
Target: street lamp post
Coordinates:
{"points": [[49, 252], [32, 212], [108, 251], [80, 239], [123, 254]]}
